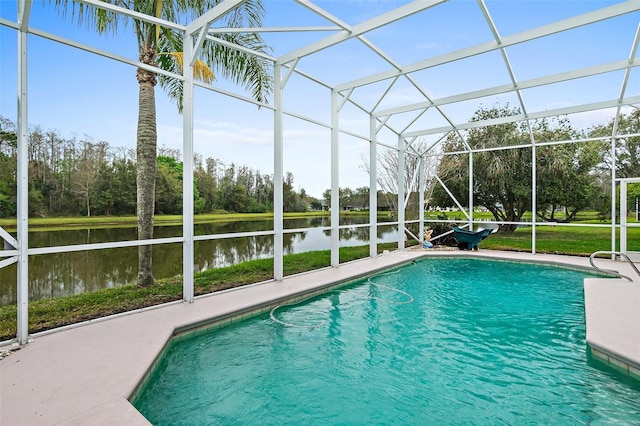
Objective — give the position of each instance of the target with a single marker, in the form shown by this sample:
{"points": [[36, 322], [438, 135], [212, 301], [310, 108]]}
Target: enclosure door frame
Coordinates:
{"points": [[624, 225]]}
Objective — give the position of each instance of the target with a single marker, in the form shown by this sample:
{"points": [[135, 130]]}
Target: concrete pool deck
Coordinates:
{"points": [[84, 375]]}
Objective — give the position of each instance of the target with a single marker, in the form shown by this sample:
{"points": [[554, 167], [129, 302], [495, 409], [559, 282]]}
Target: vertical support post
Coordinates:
{"points": [[534, 194], [401, 178], [470, 191], [278, 164], [623, 216], [613, 189], [187, 177], [22, 187], [421, 184], [335, 182], [373, 188]]}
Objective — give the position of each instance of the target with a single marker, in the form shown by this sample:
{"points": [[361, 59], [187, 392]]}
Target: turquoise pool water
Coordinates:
{"points": [[463, 341]]}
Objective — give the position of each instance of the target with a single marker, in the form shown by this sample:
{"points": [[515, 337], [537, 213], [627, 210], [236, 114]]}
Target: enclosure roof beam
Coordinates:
{"points": [[543, 31], [345, 98], [527, 84], [384, 94], [7, 237], [363, 109], [326, 15], [24, 13], [420, 114], [216, 30], [212, 15], [222, 42], [103, 53], [372, 24], [379, 52], [201, 24], [505, 57], [133, 14], [433, 145], [373, 48], [632, 55], [533, 116]]}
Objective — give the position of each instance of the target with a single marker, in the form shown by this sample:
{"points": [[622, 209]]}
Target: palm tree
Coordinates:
{"points": [[162, 47]]}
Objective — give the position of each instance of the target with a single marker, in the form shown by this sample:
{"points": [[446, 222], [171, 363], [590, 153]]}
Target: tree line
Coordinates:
{"points": [[358, 199], [80, 176]]}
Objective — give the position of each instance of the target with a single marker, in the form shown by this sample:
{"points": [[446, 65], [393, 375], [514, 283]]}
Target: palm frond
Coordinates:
{"points": [[94, 18], [201, 71], [158, 14], [249, 71], [171, 59]]}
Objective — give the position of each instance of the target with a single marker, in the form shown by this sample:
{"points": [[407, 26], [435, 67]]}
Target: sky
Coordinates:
{"points": [[81, 94]]}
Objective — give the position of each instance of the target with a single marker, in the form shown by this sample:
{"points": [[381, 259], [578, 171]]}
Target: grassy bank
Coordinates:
{"points": [[57, 312], [57, 223]]}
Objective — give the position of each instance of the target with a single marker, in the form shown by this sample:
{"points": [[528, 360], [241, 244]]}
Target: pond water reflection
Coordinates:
{"points": [[61, 274]]}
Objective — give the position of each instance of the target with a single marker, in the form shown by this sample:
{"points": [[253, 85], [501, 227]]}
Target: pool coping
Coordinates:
{"points": [[87, 373], [612, 310]]}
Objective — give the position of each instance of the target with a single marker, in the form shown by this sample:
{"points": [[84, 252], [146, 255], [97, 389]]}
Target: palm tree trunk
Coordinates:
{"points": [[146, 165]]}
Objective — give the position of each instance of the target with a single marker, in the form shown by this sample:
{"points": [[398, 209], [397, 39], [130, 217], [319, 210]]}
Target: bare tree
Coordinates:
{"points": [[91, 155], [387, 176]]}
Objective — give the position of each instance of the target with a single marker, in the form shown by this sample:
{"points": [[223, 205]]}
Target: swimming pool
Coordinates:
{"points": [[444, 341]]}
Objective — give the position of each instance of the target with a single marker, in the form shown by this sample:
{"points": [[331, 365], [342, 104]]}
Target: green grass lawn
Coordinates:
{"points": [[560, 240]]}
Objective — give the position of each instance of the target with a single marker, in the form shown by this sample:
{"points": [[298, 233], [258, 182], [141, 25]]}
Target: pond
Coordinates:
{"points": [[62, 274]]}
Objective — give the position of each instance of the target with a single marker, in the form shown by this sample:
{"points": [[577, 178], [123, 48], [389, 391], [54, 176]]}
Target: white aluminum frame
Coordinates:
{"points": [[624, 222], [283, 67]]}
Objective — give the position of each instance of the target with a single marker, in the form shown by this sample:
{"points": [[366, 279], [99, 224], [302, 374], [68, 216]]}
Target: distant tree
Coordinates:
{"points": [[8, 137], [326, 197], [264, 193], [91, 158], [627, 147], [387, 174], [207, 188], [502, 177], [315, 204], [114, 189], [627, 159], [360, 197], [236, 200], [345, 197], [83, 168], [292, 200], [565, 179], [8, 158], [36, 202], [168, 185]]}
